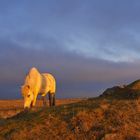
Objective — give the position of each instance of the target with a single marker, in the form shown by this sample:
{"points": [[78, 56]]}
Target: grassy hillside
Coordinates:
{"points": [[91, 119], [131, 91]]}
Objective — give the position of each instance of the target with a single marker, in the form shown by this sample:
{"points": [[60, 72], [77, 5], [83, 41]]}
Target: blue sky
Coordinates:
{"points": [[88, 45]]}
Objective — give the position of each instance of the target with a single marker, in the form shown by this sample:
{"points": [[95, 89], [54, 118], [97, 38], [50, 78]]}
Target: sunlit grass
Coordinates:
{"points": [[90, 119]]}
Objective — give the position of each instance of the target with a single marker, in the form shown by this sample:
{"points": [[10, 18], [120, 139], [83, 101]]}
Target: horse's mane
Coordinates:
{"points": [[31, 77]]}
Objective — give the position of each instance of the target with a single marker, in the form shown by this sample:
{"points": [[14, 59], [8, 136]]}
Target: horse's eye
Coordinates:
{"points": [[28, 96]]}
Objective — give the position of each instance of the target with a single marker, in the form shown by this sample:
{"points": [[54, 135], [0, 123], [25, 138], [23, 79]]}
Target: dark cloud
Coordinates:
{"points": [[76, 75], [87, 45]]}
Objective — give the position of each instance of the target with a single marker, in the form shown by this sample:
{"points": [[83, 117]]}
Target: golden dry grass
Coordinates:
{"points": [[9, 108], [91, 119], [113, 116]]}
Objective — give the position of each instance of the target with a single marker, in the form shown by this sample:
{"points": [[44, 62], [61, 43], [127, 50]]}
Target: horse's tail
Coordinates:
{"points": [[52, 83], [51, 86]]}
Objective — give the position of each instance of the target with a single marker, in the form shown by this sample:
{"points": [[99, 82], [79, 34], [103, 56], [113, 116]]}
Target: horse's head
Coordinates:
{"points": [[27, 95]]}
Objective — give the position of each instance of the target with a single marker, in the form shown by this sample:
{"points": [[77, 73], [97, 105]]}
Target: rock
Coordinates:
{"points": [[112, 90]]}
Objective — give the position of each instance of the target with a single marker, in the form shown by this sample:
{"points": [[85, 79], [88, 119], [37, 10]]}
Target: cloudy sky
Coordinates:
{"points": [[88, 45]]}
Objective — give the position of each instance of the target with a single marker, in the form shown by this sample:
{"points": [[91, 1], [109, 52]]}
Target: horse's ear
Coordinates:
{"points": [[28, 86], [25, 86]]}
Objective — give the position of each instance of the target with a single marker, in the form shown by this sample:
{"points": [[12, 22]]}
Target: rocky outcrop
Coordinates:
{"points": [[131, 91]]}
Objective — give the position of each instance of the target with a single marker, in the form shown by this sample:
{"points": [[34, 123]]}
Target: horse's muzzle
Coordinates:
{"points": [[26, 108]]}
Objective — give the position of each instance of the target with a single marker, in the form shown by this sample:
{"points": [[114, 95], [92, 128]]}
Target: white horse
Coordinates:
{"points": [[36, 83]]}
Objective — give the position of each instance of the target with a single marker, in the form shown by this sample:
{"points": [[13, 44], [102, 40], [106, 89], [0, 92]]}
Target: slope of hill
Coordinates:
{"points": [[131, 91], [135, 85], [91, 119]]}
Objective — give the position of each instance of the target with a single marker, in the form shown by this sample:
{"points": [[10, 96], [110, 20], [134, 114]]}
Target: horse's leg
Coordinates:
{"points": [[50, 99], [35, 98], [53, 99], [44, 100]]}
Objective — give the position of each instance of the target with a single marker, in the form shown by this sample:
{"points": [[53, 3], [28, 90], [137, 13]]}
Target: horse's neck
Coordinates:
{"points": [[32, 78]]}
